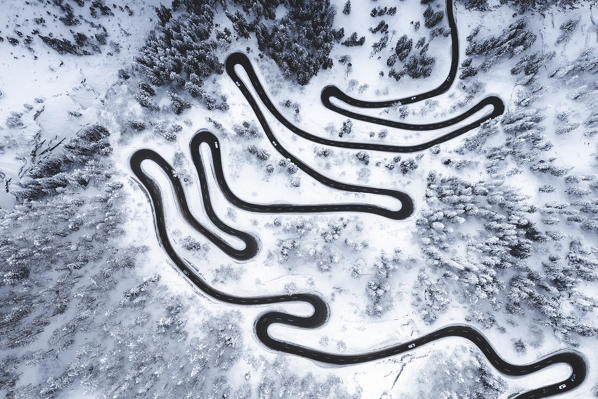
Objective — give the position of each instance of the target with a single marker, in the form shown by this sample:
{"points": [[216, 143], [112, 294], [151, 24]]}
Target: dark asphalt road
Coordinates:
{"points": [[406, 203], [334, 92], [321, 311], [241, 59]]}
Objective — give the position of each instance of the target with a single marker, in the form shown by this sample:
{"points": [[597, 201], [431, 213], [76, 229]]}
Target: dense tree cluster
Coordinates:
{"points": [[540, 5], [522, 6], [322, 244], [57, 270], [480, 5], [293, 106], [240, 24], [402, 50], [59, 261], [346, 129], [182, 54], [513, 40], [378, 289], [260, 153], [83, 35], [301, 41], [546, 291], [524, 138], [432, 18], [430, 298], [381, 44], [567, 28], [418, 64], [77, 164], [278, 381], [14, 120], [354, 40], [247, 130], [82, 45], [347, 8], [167, 130], [507, 241], [507, 237], [581, 211], [381, 11], [382, 27], [585, 63], [415, 64], [531, 64]]}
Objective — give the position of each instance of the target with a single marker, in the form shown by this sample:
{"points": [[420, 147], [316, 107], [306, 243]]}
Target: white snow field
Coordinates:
{"points": [[502, 237]]}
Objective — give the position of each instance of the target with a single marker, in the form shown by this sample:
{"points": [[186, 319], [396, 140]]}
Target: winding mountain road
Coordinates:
{"points": [[333, 92], [320, 309], [241, 59], [321, 312]]}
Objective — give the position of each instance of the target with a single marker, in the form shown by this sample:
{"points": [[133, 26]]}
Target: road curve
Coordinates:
{"points": [[332, 91], [242, 60], [406, 202], [204, 136], [321, 311], [251, 245]]}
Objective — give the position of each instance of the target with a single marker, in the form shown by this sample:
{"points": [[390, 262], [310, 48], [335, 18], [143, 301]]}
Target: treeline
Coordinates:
{"points": [[186, 48]]}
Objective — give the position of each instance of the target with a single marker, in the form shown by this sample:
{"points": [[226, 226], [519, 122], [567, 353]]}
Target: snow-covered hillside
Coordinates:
{"points": [[501, 237]]}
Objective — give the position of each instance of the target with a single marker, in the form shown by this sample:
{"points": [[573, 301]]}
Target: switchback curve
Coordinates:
{"points": [[332, 91], [406, 202], [251, 245], [321, 312], [242, 60], [204, 136]]}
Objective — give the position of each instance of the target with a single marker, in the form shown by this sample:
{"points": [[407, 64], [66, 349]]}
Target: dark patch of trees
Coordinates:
{"points": [[347, 8], [381, 11], [567, 28], [402, 50], [301, 41], [539, 5], [182, 55], [432, 18], [418, 65], [354, 40], [75, 165], [512, 41], [522, 5], [382, 27], [82, 46]]}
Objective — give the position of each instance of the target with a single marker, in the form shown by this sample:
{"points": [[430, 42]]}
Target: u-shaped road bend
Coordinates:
{"points": [[321, 312], [332, 91], [242, 60], [250, 243], [206, 137]]}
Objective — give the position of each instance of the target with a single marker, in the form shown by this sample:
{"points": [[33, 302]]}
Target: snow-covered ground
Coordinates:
{"points": [[336, 256]]}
